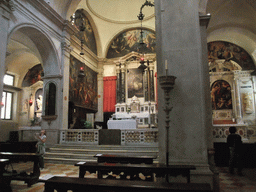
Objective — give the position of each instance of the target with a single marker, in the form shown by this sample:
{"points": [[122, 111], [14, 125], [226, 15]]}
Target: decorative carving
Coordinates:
{"points": [[66, 47], [247, 101]]}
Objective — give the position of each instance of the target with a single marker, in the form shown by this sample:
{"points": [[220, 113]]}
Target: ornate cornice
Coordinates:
{"points": [[8, 3], [204, 20], [48, 11]]}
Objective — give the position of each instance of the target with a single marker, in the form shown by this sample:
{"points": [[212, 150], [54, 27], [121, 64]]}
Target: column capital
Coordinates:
{"points": [[66, 46], [204, 20], [7, 6]]}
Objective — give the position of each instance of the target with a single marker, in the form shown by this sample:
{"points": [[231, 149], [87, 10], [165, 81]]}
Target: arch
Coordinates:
{"points": [[45, 48], [94, 37], [227, 53], [125, 44]]}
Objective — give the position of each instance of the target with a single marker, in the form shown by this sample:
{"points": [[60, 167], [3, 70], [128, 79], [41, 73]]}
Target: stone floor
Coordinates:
{"points": [[228, 182]]}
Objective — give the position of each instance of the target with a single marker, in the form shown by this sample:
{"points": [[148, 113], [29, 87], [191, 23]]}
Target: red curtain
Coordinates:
{"points": [[109, 99], [156, 91]]}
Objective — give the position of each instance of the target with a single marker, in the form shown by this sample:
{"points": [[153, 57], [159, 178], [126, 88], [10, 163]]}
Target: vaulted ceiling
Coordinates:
{"points": [[231, 20]]}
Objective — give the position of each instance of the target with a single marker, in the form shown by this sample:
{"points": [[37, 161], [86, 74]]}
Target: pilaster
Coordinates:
{"points": [[5, 11], [99, 114], [180, 43]]}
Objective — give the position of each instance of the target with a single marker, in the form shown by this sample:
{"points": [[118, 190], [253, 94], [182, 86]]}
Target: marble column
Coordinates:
{"points": [[151, 82], [65, 84], [99, 114], [5, 11], [146, 84], [122, 85], [118, 100], [237, 100], [180, 43], [64, 97]]}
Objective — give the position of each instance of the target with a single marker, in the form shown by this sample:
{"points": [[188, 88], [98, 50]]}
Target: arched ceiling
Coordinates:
{"points": [[120, 11], [232, 21]]}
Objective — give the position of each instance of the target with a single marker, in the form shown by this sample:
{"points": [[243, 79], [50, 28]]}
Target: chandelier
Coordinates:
{"points": [[142, 49]]}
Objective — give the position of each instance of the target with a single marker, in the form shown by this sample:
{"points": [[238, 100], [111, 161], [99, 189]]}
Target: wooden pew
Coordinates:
{"points": [[4, 181], [133, 170], [22, 157], [109, 158], [63, 184]]}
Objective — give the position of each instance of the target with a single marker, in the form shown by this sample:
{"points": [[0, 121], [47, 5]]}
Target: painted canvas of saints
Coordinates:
{"points": [[135, 83], [221, 95]]}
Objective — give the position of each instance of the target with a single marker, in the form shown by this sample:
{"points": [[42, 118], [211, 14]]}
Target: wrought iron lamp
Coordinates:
{"points": [[141, 17], [79, 21]]}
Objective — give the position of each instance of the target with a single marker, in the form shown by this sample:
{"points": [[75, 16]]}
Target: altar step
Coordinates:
{"points": [[71, 154]]}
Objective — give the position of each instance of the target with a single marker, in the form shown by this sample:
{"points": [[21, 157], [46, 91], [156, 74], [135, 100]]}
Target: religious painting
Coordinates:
{"points": [[83, 87], [229, 52], [221, 95], [33, 75], [130, 41], [87, 33], [135, 83]]}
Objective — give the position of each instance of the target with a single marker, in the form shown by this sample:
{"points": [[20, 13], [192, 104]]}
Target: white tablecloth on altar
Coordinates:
{"points": [[122, 124]]}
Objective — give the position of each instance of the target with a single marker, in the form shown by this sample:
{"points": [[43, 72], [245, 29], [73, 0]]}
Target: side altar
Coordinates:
{"points": [[134, 114]]}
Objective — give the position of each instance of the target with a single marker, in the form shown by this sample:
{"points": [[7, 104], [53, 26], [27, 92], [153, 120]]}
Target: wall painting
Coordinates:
{"points": [[83, 91], [130, 41]]}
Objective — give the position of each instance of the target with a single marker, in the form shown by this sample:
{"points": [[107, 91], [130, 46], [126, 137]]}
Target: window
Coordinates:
{"points": [[6, 111], [8, 79], [7, 98]]}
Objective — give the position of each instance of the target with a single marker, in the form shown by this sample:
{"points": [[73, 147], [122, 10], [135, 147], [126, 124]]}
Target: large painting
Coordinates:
{"points": [[221, 95], [83, 88], [33, 75], [130, 41], [88, 36], [229, 51], [135, 83]]}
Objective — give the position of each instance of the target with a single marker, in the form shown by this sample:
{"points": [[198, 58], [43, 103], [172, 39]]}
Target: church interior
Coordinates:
{"points": [[163, 78]]}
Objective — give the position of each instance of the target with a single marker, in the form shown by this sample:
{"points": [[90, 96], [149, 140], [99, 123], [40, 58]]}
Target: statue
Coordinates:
{"points": [[39, 102]]}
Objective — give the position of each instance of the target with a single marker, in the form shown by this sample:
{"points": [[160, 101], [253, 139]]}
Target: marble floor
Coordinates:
{"points": [[228, 182]]}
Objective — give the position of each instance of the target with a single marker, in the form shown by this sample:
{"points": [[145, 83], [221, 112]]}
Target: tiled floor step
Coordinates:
{"points": [[73, 153]]}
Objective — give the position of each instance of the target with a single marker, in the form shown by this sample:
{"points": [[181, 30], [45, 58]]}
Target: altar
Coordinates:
{"points": [[122, 124], [136, 113]]}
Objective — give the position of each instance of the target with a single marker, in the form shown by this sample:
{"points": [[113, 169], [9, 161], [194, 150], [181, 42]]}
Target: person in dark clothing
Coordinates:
{"points": [[234, 142]]}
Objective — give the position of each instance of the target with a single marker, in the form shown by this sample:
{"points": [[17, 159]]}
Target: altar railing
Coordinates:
{"points": [[87, 136], [128, 137]]}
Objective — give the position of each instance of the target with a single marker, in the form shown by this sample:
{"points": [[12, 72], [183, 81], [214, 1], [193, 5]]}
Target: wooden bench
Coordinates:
{"points": [[109, 158], [63, 184], [24, 157], [133, 170]]}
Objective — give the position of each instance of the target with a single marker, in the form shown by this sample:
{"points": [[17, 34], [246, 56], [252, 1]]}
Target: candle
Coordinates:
{"points": [[166, 68]]}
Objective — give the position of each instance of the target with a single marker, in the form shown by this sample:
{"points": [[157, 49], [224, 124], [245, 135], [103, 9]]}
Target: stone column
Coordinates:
{"points": [[180, 43], [65, 84], [122, 86], [146, 84], [99, 114], [64, 99], [237, 101], [118, 100], [151, 83], [5, 11]]}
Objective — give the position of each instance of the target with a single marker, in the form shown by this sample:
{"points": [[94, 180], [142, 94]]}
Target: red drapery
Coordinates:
{"points": [[156, 91], [109, 99]]}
